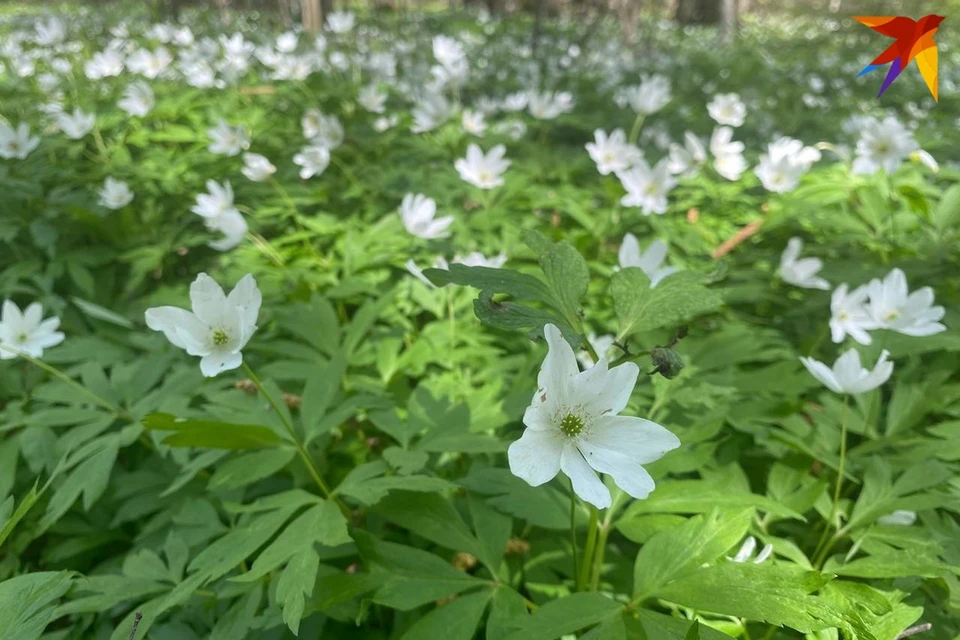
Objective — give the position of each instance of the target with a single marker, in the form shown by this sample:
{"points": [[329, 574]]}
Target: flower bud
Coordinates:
{"points": [[667, 362]]}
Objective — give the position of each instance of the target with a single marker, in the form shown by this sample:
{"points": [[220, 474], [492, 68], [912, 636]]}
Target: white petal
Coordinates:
{"points": [[247, 297], [602, 391], [764, 553], [217, 362], [822, 373], [32, 316], [746, 549], [558, 368], [207, 299], [169, 319], [627, 473], [629, 253], [586, 483], [641, 440], [535, 457]]}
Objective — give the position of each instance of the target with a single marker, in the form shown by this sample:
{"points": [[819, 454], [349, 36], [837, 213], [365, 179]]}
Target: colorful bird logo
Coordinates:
{"points": [[914, 40]]}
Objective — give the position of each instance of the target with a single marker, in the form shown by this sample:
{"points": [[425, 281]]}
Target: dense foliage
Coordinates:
{"points": [[350, 478]]}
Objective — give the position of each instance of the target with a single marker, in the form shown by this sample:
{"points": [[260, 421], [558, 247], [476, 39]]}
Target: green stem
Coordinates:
{"points": [[573, 533], [588, 548], [635, 130], [598, 556], [302, 450], [825, 543], [346, 171]]}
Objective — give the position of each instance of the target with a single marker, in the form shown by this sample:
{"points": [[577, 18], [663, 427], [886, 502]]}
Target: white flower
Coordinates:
{"points": [[137, 99], [686, 160], [372, 99], [727, 108], [893, 307], [219, 326], [516, 101], [882, 145], [77, 124], [256, 167], [474, 123], [418, 213], [927, 160], [149, 63], [448, 51], [313, 161], [849, 315], [612, 153], [16, 144], [647, 188], [321, 129], [728, 155], [650, 261], [898, 518], [216, 202], [233, 227], [847, 376], [104, 64], [26, 332], [382, 124], [650, 96], [783, 165], [417, 272], [477, 259], [801, 272], [548, 105], [430, 111], [513, 128], [50, 31], [483, 170], [287, 42], [115, 194], [746, 552], [340, 21], [227, 140], [573, 426]]}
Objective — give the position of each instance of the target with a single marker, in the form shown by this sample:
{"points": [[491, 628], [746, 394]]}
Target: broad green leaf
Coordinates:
{"points": [[373, 490], [405, 462], [211, 434], [88, 479], [455, 620], [702, 496], [28, 603], [97, 312], [492, 528], [508, 612], [295, 584], [680, 551], [676, 299], [249, 468], [363, 320], [26, 503], [893, 564], [511, 316], [568, 276], [238, 619], [694, 632], [520, 286], [540, 506], [661, 627], [567, 615], [320, 389]]}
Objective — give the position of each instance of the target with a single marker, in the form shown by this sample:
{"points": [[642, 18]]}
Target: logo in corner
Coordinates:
{"points": [[914, 40]]}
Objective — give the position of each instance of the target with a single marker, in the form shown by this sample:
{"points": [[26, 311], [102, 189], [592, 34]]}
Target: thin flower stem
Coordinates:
{"points": [[588, 548], [825, 543], [599, 554], [635, 130], [302, 450], [573, 533], [346, 171], [264, 245]]}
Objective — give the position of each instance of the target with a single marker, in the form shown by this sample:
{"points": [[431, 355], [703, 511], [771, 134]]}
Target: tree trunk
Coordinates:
{"points": [[728, 20], [311, 15], [698, 12], [223, 5], [537, 26]]}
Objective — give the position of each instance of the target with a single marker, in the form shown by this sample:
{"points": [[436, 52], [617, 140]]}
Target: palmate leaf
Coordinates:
{"points": [[28, 603], [676, 299]]}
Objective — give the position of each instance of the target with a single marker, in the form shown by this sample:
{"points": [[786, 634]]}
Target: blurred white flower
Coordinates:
{"points": [[647, 187], [216, 202], [573, 426], [382, 124], [137, 99], [801, 272], [26, 332], [477, 259], [49, 32], [227, 140], [257, 167], [372, 98], [313, 160], [728, 109], [648, 97], [686, 161], [883, 145], [430, 111], [287, 42], [321, 129], [783, 165], [340, 21], [893, 307], [16, 144], [612, 153], [847, 376], [483, 170], [514, 128], [448, 51], [77, 124], [115, 194], [849, 315], [650, 261], [746, 552], [898, 518], [601, 345], [231, 225], [927, 160], [727, 154], [418, 213], [549, 105], [104, 64], [474, 123], [218, 327], [149, 63], [516, 101]]}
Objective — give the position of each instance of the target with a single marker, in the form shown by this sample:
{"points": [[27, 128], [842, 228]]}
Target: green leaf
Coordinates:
{"points": [[295, 584], [947, 212], [568, 276], [567, 615], [211, 434], [26, 503], [238, 619], [520, 286], [702, 496], [508, 612], [540, 506], [676, 299], [28, 603], [657, 626], [363, 321], [373, 490], [405, 462], [455, 620], [694, 632], [320, 389], [97, 312], [510, 316], [680, 551], [249, 468], [893, 564], [89, 478]]}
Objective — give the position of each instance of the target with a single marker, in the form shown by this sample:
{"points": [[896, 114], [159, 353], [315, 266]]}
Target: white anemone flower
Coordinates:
{"points": [[647, 187], [16, 144], [418, 213], [893, 307], [728, 109], [847, 375], [227, 140], [138, 99], [313, 160], [26, 332], [649, 261], [849, 315], [612, 153], [573, 426], [801, 272], [115, 194], [218, 327], [257, 167], [77, 124], [483, 170]]}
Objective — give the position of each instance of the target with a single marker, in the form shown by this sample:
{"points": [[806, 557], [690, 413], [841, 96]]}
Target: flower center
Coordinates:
{"points": [[893, 315], [485, 176], [571, 425], [883, 148], [220, 337], [22, 337]]}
